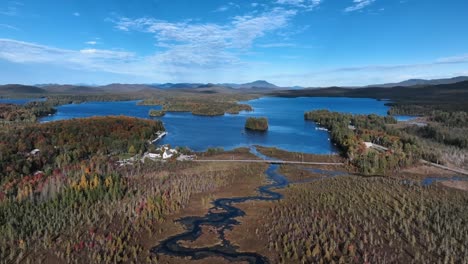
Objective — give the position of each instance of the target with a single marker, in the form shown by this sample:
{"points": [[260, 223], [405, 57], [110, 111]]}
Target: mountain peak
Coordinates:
{"points": [[258, 84]]}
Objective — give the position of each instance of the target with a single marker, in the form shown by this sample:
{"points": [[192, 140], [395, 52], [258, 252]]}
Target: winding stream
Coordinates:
{"points": [[222, 217]]}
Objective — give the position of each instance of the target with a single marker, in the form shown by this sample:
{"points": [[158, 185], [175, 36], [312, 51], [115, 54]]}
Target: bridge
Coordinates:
{"points": [[277, 162]]}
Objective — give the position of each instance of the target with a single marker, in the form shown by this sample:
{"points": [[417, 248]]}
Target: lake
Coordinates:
{"points": [[287, 128], [20, 101]]}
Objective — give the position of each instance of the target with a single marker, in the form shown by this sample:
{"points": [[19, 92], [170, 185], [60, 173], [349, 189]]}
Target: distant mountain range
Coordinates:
{"points": [[251, 85], [415, 82], [256, 84], [20, 89], [259, 86]]}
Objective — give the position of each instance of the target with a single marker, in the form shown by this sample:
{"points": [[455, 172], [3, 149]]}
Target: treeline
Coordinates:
{"points": [[156, 113], [373, 220], [201, 103], [29, 112], [450, 119], [32, 111], [414, 100], [25, 150], [349, 132], [449, 129], [454, 136]]}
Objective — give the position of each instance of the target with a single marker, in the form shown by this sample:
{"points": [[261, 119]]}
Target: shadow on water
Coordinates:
{"points": [[222, 217]]}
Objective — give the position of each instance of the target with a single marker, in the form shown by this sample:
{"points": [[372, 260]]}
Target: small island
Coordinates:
{"points": [[156, 113], [257, 124]]}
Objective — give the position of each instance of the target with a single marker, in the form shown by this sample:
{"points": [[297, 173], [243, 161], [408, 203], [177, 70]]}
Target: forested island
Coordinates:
{"points": [[156, 113], [257, 123], [201, 103]]}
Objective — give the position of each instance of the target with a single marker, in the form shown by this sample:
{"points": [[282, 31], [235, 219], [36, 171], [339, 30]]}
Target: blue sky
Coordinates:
{"points": [[287, 42]]}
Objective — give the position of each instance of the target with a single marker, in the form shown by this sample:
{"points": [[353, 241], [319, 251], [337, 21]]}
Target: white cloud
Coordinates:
{"points": [[208, 45], [305, 4], [76, 14], [88, 59], [226, 7], [179, 61], [191, 63], [358, 5], [186, 50], [453, 60]]}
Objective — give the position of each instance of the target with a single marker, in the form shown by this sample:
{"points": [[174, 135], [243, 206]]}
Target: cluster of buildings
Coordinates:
{"points": [[163, 152]]}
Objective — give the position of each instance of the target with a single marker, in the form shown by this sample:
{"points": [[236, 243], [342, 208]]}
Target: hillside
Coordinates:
{"points": [[15, 89], [259, 84], [449, 97], [414, 82], [67, 89]]}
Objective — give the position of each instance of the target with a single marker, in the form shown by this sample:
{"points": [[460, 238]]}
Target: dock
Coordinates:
{"points": [[160, 134]]}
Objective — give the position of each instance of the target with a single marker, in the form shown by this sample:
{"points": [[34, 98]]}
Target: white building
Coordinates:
{"points": [[34, 151], [154, 155]]}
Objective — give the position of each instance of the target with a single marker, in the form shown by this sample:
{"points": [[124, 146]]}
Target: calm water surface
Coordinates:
{"points": [[287, 130], [20, 101]]}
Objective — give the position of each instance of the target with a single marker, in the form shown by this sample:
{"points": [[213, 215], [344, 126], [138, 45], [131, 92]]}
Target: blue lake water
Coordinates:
{"points": [[20, 101], [405, 118], [287, 128]]}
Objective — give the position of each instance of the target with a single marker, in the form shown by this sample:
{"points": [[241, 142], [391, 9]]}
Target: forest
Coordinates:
{"points": [[10, 113], [349, 132], [156, 113], [364, 220], [96, 212], [257, 123], [199, 103], [65, 143]]}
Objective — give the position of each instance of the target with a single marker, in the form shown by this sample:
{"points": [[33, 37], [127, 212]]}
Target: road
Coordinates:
{"points": [[457, 170], [276, 162]]}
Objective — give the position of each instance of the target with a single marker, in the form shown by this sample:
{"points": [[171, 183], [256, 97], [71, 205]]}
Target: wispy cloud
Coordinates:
{"points": [[276, 45], [368, 74], [227, 7], [9, 27], [208, 45], [185, 48], [89, 59], [304, 4], [358, 5], [12, 8], [453, 60], [76, 14]]}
